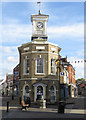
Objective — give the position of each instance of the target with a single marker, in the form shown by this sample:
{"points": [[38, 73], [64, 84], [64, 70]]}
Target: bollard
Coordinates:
{"points": [[7, 106]]}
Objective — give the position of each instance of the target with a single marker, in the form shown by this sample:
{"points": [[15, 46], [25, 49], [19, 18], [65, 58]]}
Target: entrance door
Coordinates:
{"points": [[52, 94], [39, 92]]}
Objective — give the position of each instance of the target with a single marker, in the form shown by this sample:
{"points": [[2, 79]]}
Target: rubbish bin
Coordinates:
{"points": [[61, 106]]}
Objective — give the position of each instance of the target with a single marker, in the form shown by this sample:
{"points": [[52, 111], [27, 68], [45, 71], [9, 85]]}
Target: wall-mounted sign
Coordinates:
{"points": [[16, 73], [61, 73]]}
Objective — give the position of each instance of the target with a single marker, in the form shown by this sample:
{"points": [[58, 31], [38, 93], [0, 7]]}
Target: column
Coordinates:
{"points": [[44, 92], [35, 94]]}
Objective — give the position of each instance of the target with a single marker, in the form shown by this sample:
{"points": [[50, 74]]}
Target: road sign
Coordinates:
{"points": [[61, 73], [18, 83]]}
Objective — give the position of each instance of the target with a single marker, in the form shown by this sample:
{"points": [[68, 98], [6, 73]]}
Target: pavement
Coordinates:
{"points": [[74, 109], [44, 113]]}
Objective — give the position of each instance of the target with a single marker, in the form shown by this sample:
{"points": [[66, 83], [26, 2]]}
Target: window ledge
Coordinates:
{"points": [[52, 74], [26, 74], [39, 73]]}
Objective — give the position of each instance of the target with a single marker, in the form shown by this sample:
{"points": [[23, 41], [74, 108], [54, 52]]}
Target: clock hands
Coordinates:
{"points": [[40, 25]]}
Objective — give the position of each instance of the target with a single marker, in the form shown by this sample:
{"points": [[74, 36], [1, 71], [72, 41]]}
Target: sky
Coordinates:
{"points": [[65, 28]]}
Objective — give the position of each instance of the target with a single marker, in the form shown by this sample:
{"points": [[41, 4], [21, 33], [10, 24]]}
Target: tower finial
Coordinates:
{"points": [[39, 3]]}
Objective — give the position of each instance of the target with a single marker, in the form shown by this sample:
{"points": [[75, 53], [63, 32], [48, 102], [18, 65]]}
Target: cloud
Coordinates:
{"points": [[16, 33], [74, 30], [21, 33], [4, 78], [9, 50], [7, 65], [12, 59], [80, 53], [7, 20]]}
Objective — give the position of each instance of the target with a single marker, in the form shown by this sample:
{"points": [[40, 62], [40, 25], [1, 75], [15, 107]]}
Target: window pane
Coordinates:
{"points": [[52, 66], [40, 65], [26, 65]]}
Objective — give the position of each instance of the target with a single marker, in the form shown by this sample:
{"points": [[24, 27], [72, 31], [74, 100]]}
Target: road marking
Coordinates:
{"points": [[76, 111]]}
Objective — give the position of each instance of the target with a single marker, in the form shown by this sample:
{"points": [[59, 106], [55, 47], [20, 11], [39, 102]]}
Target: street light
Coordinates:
{"points": [[58, 72], [61, 104]]}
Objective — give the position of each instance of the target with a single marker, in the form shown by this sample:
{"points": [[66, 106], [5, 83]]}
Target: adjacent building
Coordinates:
{"points": [[81, 85], [16, 80], [72, 85], [9, 81], [82, 88], [64, 78], [67, 79], [3, 86]]}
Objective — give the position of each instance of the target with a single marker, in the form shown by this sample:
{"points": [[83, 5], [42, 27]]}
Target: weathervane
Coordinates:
{"points": [[39, 4]]}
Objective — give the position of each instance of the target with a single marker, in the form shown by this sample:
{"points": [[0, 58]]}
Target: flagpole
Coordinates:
{"points": [[39, 3]]}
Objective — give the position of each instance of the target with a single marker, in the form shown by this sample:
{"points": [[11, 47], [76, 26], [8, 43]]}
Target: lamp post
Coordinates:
{"points": [[61, 104], [58, 72]]}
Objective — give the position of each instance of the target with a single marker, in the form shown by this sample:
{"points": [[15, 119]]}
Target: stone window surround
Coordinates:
{"points": [[43, 68], [25, 58], [55, 68]]}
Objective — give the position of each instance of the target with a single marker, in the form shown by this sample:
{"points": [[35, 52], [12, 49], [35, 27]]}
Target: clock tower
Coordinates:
{"points": [[39, 24], [38, 73]]}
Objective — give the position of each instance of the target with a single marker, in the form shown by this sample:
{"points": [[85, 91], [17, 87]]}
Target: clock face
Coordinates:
{"points": [[39, 25]]}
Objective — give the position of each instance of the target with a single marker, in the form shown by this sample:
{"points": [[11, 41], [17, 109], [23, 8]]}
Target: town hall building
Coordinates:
{"points": [[38, 76]]}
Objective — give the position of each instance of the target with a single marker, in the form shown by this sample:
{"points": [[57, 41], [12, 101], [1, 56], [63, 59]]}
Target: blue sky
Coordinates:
{"points": [[65, 27]]}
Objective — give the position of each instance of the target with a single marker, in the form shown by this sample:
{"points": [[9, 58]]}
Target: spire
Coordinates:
{"points": [[39, 4]]}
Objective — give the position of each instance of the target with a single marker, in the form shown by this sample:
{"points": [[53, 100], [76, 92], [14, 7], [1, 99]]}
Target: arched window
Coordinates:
{"points": [[26, 91], [52, 88]]}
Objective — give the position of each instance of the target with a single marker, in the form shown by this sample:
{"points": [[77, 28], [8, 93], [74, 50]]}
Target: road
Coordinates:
{"points": [[76, 110]]}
